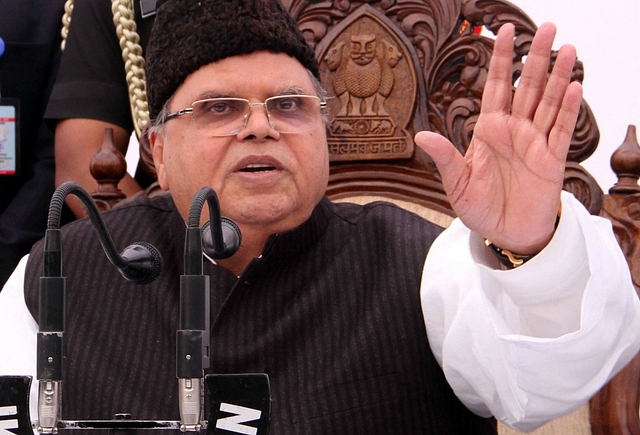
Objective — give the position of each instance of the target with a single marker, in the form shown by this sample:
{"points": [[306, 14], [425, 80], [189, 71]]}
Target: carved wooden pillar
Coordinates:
{"points": [[622, 205], [614, 410], [108, 167]]}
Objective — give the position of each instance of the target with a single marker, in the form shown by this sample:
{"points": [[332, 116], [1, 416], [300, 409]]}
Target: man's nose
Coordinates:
{"points": [[257, 123]]}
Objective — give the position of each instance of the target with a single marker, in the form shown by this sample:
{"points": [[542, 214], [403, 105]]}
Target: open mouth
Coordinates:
{"points": [[257, 168]]}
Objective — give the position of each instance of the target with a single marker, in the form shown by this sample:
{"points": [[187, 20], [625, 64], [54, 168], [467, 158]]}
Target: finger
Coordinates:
{"points": [[449, 161], [534, 73], [565, 123], [497, 90], [554, 92]]}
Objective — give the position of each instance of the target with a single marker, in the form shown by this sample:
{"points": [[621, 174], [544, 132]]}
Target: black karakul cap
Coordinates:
{"points": [[188, 34]]}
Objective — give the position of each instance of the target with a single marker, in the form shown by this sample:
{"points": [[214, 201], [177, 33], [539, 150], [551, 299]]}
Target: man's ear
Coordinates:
{"points": [[156, 142]]}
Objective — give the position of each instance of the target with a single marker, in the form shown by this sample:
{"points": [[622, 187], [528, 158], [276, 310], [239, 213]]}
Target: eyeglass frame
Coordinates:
{"points": [[189, 110]]}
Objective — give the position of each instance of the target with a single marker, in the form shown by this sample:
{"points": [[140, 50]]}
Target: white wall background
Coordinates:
{"points": [[606, 35]]}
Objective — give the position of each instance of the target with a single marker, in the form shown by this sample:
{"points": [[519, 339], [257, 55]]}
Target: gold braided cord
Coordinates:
{"points": [[126, 29], [66, 20]]}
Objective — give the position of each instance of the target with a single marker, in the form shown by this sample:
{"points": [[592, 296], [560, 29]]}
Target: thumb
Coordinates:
{"points": [[447, 158]]}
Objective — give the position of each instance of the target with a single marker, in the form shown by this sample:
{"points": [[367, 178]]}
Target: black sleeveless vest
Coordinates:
{"points": [[331, 312]]}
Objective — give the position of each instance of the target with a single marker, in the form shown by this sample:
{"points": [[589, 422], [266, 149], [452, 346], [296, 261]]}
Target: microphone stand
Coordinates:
{"points": [[192, 348], [140, 263], [49, 353], [192, 337]]}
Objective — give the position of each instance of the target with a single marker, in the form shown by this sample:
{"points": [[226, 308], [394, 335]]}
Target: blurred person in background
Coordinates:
{"points": [[29, 58]]}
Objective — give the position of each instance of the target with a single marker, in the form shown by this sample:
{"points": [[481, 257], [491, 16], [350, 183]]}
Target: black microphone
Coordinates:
{"points": [[231, 237], [221, 237], [144, 263], [140, 263]]}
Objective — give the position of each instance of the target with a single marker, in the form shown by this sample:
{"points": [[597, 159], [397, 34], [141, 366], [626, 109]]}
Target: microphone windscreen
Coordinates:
{"points": [[144, 263], [231, 238]]}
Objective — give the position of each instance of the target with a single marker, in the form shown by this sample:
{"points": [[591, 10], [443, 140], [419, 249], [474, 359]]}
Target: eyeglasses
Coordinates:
{"points": [[228, 116]]}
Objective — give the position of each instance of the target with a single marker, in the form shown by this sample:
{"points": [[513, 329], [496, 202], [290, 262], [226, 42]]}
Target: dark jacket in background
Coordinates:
{"points": [[30, 30]]}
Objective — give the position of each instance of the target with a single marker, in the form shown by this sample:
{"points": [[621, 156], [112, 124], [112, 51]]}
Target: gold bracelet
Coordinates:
{"points": [[510, 259], [507, 257]]}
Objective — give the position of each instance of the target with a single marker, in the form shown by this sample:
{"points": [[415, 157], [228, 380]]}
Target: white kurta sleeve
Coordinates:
{"points": [[531, 344], [18, 333]]}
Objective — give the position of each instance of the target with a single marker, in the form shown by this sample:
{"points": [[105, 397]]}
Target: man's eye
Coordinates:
{"points": [[218, 107], [221, 107], [287, 104]]}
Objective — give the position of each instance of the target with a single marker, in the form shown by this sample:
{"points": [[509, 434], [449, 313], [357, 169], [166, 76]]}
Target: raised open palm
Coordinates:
{"points": [[507, 186]]}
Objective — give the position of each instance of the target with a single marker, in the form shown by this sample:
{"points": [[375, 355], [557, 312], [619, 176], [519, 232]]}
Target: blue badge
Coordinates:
{"points": [[1, 47]]}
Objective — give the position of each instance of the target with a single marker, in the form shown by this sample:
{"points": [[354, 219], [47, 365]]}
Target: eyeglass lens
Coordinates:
{"points": [[228, 116]]}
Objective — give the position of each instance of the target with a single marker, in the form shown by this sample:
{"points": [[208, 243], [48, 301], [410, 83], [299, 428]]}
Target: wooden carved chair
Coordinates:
{"points": [[422, 65]]}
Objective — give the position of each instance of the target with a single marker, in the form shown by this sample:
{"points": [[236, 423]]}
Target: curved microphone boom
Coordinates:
{"points": [[140, 262], [221, 236]]}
